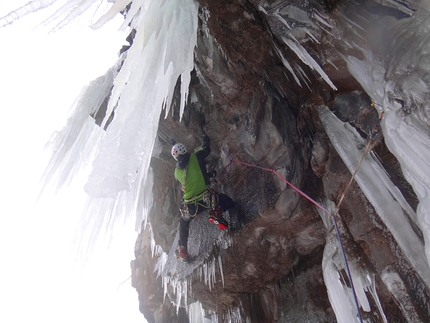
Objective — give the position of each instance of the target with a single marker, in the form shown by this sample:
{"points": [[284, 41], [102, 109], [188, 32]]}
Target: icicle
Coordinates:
{"points": [[339, 295], [303, 76], [261, 8], [372, 291], [395, 285], [161, 262], [153, 245], [196, 313], [70, 10], [113, 11], [234, 315], [331, 63], [309, 33], [178, 289], [308, 60], [206, 275], [282, 19], [287, 65], [213, 272], [76, 144], [165, 281], [220, 269], [321, 19], [199, 273], [396, 4], [214, 318], [185, 291], [30, 7]]}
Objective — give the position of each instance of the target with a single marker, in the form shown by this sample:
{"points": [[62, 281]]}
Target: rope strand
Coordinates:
{"points": [[333, 215], [319, 206]]}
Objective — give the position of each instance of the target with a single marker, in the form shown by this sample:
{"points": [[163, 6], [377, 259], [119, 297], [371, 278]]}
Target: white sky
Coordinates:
{"points": [[41, 76]]}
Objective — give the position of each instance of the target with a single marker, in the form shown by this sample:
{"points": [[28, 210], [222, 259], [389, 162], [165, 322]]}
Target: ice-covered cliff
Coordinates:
{"points": [[289, 86], [296, 88]]}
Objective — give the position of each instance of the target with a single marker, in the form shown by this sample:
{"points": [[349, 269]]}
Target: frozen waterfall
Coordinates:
{"points": [[136, 90], [400, 88]]}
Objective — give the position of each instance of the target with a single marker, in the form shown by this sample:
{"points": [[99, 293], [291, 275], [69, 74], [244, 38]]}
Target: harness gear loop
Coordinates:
{"points": [[185, 212], [207, 199]]}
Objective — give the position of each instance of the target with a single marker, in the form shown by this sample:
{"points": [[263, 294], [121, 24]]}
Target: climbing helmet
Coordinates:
{"points": [[178, 149]]}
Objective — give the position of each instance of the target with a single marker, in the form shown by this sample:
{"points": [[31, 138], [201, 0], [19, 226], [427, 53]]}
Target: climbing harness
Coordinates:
{"points": [[332, 214], [207, 199]]}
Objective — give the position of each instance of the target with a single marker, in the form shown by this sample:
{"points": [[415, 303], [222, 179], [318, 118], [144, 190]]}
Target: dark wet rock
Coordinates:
{"points": [[356, 108]]}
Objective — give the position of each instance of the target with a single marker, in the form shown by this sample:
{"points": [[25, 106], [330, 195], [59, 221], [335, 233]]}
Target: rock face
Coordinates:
{"points": [[264, 112]]}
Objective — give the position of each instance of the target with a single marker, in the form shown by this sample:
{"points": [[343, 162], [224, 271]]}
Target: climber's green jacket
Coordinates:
{"points": [[191, 173]]}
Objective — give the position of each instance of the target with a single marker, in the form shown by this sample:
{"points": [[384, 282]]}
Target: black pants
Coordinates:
{"points": [[224, 202]]}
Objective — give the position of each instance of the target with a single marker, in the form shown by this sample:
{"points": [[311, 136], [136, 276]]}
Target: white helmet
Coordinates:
{"points": [[178, 149]]}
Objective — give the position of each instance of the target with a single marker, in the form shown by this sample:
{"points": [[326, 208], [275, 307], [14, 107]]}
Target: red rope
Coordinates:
{"points": [[281, 177], [319, 206]]}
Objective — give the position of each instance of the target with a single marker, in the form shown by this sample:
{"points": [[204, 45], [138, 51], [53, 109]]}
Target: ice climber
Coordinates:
{"points": [[197, 195]]}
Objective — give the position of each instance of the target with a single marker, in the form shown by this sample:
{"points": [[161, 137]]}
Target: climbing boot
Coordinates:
{"points": [[181, 253], [216, 218]]}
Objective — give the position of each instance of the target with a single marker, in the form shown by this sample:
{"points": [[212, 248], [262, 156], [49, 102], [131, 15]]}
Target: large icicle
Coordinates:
{"points": [[306, 58], [378, 189], [401, 86], [162, 51], [30, 7], [77, 142], [341, 295]]}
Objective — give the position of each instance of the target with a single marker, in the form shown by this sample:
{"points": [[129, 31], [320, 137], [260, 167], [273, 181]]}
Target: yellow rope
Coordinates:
{"points": [[353, 175]]}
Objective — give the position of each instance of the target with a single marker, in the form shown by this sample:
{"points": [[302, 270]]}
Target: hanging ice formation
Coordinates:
{"points": [[134, 91], [293, 43], [391, 207], [30, 7], [398, 85]]}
